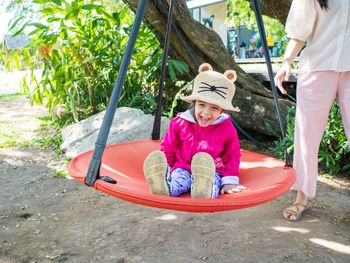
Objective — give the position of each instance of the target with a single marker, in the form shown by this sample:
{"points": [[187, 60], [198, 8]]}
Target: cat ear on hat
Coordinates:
{"points": [[205, 67], [231, 75]]}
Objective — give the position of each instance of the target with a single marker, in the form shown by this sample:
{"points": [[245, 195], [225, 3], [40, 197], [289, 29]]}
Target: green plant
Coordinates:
{"points": [[143, 101], [61, 173], [334, 151], [80, 45], [177, 66], [18, 59], [287, 143], [50, 134]]}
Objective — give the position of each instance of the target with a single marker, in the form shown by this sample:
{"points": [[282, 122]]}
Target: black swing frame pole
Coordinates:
{"points": [[258, 15], [158, 114], [93, 172]]}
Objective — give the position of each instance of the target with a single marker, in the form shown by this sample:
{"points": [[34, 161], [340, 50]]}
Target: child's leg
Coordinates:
{"points": [[216, 187], [155, 170], [203, 173], [179, 181]]}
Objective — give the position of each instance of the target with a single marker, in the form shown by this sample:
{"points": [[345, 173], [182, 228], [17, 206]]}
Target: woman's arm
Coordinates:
{"points": [[292, 50]]}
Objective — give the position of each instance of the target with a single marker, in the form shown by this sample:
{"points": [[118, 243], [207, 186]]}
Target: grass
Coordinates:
{"points": [[49, 137], [60, 173], [8, 135], [50, 134], [7, 97]]}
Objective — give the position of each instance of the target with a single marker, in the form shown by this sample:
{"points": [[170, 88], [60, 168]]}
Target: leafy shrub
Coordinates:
{"points": [[334, 152], [81, 47], [281, 145]]}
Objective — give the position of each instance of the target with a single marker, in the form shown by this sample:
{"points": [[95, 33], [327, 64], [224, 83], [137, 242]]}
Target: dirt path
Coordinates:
{"points": [[54, 219]]}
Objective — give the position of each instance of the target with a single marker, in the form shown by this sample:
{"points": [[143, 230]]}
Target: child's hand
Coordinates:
{"points": [[232, 188]]}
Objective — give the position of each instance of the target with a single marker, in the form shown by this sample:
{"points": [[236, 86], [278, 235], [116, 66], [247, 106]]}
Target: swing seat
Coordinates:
{"points": [[266, 178]]}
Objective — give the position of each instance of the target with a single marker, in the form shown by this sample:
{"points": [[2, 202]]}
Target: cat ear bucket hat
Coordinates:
{"points": [[213, 87]]}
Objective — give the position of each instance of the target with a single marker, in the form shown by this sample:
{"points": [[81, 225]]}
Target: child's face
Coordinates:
{"points": [[206, 113]]}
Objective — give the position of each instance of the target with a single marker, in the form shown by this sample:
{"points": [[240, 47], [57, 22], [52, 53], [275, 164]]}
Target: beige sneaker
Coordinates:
{"points": [[203, 172], [154, 169]]}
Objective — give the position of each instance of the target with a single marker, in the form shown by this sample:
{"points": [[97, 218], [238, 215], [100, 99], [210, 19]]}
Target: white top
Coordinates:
{"points": [[327, 33]]}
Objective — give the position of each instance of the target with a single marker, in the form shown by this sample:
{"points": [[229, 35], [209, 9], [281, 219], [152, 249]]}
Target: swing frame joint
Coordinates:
{"points": [[93, 172]]}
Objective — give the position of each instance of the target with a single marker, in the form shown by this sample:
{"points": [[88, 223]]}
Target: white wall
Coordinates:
{"points": [[199, 3], [219, 23]]}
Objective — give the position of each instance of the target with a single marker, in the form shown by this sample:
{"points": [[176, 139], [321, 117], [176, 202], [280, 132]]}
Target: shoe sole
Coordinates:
{"points": [[203, 170], [154, 169]]}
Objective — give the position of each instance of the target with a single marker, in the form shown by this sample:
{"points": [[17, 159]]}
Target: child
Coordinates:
{"points": [[200, 151]]}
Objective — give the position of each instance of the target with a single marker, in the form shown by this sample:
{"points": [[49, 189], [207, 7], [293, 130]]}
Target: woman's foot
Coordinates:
{"points": [[295, 211], [155, 169], [203, 172]]}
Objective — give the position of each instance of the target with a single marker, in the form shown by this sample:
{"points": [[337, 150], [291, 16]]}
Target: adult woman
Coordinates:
{"points": [[324, 74]]}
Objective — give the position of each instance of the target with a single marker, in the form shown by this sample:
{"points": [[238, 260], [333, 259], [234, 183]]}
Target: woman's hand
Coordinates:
{"points": [[283, 75], [293, 48], [232, 188]]}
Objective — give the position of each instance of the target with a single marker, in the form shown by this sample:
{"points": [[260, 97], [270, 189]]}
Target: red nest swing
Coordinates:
{"points": [[266, 178], [117, 169]]}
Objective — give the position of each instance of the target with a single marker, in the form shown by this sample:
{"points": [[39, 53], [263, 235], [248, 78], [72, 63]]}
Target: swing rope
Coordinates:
{"points": [[157, 118], [258, 15]]}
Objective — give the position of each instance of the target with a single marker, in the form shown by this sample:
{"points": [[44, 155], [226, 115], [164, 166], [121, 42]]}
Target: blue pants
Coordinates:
{"points": [[180, 180]]}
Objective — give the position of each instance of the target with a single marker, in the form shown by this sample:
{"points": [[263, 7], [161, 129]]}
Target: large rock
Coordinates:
{"points": [[129, 124]]}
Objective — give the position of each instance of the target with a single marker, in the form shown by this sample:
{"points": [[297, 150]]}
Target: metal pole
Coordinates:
{"points": [[93, 172]]}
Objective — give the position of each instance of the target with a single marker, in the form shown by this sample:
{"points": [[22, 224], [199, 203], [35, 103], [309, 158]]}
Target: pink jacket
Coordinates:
{"points": [[185, 138]]}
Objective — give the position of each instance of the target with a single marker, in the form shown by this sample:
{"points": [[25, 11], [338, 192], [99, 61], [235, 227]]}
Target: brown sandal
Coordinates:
{"points": [[296, 210]]}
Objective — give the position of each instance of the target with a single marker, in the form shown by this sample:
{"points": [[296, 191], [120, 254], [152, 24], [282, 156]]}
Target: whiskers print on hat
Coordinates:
{"points": [[213, 88]]}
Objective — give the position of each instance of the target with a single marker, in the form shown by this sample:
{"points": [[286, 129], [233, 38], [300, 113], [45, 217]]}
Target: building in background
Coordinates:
{"points": [[14, 42], [214, 10], [213, 13]]}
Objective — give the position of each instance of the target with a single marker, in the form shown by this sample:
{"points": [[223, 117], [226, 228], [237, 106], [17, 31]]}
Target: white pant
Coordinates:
{"points": [[316, 92]]}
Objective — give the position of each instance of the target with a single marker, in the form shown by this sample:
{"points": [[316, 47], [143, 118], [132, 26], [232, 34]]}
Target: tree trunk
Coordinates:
{"points": [[277, 9], [195, 44]]}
